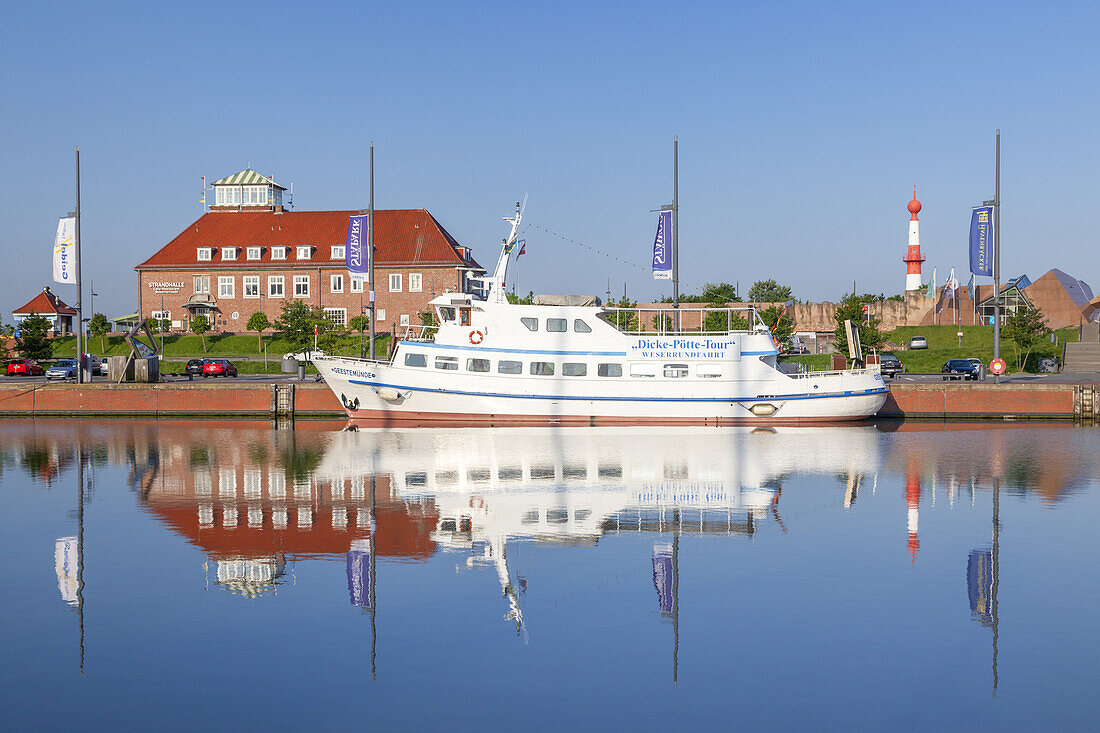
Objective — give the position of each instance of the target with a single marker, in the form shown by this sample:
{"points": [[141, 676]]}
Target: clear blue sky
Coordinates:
{"points": [[802, 127]]}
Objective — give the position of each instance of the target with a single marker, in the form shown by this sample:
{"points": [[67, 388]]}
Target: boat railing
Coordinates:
{"points": [[417, 333], [660, 321], [825, 373]]}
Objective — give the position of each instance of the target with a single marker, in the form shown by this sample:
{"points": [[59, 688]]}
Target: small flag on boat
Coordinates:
{"points": [[522, 250], [662, 247]]}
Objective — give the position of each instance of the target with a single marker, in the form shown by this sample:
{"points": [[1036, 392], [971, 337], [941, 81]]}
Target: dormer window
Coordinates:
{"points": [[254, 253], [206, 254], [278, 253], [337, 252], [229, 253], [304, 252]]}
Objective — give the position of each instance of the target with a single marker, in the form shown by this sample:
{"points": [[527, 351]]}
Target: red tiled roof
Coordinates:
{"points": [[45, 303], [401, 236]]}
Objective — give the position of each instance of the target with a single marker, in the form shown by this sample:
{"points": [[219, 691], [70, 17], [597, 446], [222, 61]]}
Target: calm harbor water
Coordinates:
{"points": [[195, 574]]}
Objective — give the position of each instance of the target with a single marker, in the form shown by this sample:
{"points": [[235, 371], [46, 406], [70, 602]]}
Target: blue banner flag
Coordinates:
{"points": [[356, 252], [981, 241], [662, 247], [662, 577], [359, 573]]}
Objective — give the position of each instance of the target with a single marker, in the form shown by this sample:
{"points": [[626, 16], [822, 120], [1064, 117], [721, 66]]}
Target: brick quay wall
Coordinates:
{"points": [[312, 399]]}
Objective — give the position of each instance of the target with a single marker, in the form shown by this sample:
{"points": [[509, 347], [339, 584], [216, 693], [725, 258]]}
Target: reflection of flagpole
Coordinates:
{"points": [[373, 605], [675, 594], [996, 572], [80, 549]]}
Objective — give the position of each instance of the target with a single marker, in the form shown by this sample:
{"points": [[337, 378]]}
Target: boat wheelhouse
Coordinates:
{"points": [[570, 360]]}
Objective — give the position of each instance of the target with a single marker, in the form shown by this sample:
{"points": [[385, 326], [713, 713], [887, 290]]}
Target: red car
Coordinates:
{"points": [[218, 368], [24, 366]]}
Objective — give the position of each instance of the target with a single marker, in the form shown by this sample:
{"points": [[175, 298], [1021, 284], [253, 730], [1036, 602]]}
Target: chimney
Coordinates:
{"points": [[279, 209]]}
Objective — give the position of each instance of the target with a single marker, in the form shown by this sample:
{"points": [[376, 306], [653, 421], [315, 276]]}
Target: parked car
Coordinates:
{"points": [[218, 368], [64, 369], [890, 365], [981, 367], [194, 366], [918, 342], [24, 367], [103, 366], [305, 355], [960, 369]]}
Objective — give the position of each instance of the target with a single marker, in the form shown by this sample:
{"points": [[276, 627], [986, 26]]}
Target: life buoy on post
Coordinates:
{"points": [[476, 337]]}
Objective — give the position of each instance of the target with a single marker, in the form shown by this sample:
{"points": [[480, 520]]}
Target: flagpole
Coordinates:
{"points": [[996, 261], [79, 308], [370, 250], [676, 231]]}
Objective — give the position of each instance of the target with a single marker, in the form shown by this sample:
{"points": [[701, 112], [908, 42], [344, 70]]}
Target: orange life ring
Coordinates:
{"points": [[476, 337]]}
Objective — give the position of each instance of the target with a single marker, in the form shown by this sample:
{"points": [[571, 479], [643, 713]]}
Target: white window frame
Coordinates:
{"points": [[341, 316], [254, 253], [279, 253], [223, 290], [254, 281], [272, 281], [229, 253], [356, 286], [303, 252], [161, 315], [202, 284], [416, 282], [336, 284], [338, 252], [395, 278], [205, 254], [404, 319], [301, 280], [379, 314]]}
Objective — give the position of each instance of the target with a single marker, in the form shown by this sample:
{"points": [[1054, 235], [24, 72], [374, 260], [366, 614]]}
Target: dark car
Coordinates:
{"points": [[960, 369], [218, 368], [890, 365], [25, 367], [194, 366]]}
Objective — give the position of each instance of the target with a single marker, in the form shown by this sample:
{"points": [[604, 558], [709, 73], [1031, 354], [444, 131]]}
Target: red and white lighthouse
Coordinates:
{"points": [[912, 258]]}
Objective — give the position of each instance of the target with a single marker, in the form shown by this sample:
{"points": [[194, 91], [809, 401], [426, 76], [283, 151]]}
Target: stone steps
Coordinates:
{"points": [[1082, 356]]}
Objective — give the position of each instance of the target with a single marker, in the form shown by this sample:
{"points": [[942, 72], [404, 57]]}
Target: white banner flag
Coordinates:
{"points": [[64, 252]]}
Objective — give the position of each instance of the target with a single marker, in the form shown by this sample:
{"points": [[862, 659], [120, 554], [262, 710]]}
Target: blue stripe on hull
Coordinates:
{"points": [[426, 345]]}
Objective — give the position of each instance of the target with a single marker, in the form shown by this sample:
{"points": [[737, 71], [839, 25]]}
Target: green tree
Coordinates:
{"points": [[200, 324], [769, 291], [624, 320], [258, 322], [712, 293], [33, 341], [528, 299], [100, 326], [299, 322], [1025, 328], [153, 324], [359, 323], [851, 307], [723, 319], [663, 322], [780, 324]]}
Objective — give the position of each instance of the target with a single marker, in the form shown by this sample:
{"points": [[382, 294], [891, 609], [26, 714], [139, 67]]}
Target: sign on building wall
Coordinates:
{"points": [[166, 287]]}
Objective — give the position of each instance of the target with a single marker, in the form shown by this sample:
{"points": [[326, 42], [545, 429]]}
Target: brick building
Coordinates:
{"points": [[249, 254]]}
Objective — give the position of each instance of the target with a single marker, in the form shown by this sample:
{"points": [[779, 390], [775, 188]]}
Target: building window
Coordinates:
{"points": [[206, 254], [303, 253], [404, 319], [251, 285], [356, 285], [337, 284], [395, 282], [278, 253], [416, 282], [253, 253], [275, 286], [229, 253], [380, 314], [337, 252], [161, 315], [301, 286], [338, 316], [225, 286], [202, 284]]}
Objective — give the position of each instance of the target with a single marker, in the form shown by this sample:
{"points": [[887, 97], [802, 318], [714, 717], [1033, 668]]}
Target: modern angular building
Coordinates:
{"points": [[248, 253]]}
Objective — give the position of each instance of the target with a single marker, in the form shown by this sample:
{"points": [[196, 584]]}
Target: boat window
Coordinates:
{"points": [[510, 473], [416, 479], [464, 316], [582, 514], [675, 371], [557, 516], [574, 369], [574, 470], [448, 525], [581, 327], [643, 370], [446, 314], [708, 371], [446, 478], [610, 471], [542, 368], [557, 325], [609, 370], [477, 365], [446, 362], [531, 323], [542, 473], [531, 516], [510, 367], [416, 360], [479, 475]]}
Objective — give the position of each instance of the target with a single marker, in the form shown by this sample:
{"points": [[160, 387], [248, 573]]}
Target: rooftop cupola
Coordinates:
{"points": [[247, 191]]}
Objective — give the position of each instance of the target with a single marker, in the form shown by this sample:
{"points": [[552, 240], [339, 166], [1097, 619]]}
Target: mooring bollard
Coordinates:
{"points": [[301, 371]]}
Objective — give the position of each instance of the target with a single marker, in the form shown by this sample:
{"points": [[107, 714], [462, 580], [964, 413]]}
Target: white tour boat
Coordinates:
{"points": [[571, 361]]}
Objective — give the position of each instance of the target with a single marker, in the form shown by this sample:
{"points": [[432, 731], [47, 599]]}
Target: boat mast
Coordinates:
{"points": [[497, 283]]}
